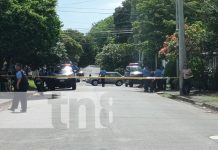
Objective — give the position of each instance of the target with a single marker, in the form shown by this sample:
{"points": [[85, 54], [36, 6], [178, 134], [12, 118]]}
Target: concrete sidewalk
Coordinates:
{"points": [[4, 102], [6, 98], [205, 100]]}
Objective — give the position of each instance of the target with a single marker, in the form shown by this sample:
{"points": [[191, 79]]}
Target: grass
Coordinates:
{"points": [[32, 86], [167, 95]]}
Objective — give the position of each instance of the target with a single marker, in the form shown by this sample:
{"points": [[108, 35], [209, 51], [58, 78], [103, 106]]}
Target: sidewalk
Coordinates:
{"points": [[4, 102], [6, 98], [209, 100]]}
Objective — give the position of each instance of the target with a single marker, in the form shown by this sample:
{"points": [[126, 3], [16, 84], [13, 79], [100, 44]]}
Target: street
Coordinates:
{"points": [[110, 118]]}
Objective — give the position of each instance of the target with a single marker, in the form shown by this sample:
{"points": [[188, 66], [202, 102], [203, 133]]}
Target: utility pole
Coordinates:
{"points": [[177, 33], [133, 18], [182, 48]]}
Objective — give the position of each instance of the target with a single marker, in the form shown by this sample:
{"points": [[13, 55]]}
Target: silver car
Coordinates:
{"points": [[117, 82]]}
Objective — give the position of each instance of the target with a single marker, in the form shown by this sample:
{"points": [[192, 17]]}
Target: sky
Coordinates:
{"points": [[81, 14]]}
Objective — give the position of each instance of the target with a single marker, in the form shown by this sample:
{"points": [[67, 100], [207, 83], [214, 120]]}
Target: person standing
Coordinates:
{"points": [[21, 87], [187, 77], [157, 83], [37, 80], [146, 73], [164, 81], [102, 74]]}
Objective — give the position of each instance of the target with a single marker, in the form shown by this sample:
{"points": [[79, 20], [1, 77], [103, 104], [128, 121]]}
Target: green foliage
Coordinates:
{"points": [[115, 56], [170, 69], [89, 53], [122, 22], [28, 29], [156, 20], [101, 34], [73, 48]]}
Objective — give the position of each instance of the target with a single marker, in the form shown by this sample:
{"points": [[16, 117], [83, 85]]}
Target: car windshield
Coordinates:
{"points": [[65, 70], [134, 68], [114, 74]]}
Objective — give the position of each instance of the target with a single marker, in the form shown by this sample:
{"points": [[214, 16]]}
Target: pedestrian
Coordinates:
{"points": [[21, 87], [38, 82], [152, 82], [102, 74], [157, 82], [146, 73], [163, 81], [187, 77]]}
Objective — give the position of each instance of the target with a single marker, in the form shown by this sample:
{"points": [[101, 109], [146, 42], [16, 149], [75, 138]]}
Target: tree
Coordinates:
{"points": [[89, 53], [115, 56], [28, 29], [122, 22], [83, 51], [73, 48], [102, 33]]}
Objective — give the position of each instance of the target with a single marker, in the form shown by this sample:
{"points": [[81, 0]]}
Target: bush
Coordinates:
{"points": [[170, 71]]}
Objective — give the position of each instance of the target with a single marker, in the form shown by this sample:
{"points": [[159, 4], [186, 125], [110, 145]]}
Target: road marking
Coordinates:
{"points": [[215, 137]]}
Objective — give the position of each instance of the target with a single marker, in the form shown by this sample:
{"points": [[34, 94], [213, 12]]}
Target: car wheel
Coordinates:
{"points": [[126, 85], [119, 83], [74, 86], [52, 88], [95, 83], [130, 84]]}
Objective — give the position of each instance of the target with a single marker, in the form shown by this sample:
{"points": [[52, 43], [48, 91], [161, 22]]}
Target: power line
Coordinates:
{"points": [[81, 2], [86, 12], [95, 12], [110, 32], [83, 8]]}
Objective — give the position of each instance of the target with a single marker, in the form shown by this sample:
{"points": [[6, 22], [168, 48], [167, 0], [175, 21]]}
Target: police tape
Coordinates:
{"points": [[83, 77]]}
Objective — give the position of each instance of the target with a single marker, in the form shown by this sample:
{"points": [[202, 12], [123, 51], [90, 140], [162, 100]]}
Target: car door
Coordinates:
{"points": [[108, 80], [117, 75]]}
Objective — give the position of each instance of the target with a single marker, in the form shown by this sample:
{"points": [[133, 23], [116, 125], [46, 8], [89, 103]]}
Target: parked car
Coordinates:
{"points": [[117, 82], [133, 70], [62, 77]]}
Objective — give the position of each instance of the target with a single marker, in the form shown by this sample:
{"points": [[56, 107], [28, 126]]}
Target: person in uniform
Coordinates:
{"points": [[103, 73], [146, 73], [21, 87]]}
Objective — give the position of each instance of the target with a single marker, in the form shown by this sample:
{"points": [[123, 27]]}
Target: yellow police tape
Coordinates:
{"points": [[83, 77]]}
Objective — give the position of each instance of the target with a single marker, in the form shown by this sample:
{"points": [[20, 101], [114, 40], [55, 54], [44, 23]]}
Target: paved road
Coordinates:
{"points": [[111, 118]]}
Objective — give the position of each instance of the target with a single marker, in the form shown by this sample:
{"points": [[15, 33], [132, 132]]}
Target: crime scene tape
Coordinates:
{"points": [[83, 77]]}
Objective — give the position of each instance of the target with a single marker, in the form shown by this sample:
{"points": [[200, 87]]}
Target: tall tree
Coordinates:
{"points": [[28, 29], [122, 22], [102, 33]]}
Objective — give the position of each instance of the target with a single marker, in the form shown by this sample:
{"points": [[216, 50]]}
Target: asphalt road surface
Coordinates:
{"points": [[110, 118]]}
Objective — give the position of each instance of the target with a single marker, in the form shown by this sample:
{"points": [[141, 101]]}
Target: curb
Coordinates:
{"points": [[5, 103], [189, 100], [185, 99], [214, 108]]}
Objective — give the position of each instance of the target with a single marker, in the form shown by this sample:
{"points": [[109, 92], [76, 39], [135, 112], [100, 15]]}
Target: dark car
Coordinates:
{"points": [[117, 82], [61, 76], [133, 71]]}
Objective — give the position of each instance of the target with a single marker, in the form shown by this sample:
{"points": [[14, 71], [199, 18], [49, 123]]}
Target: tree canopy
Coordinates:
{"points": [[28, 30]]}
